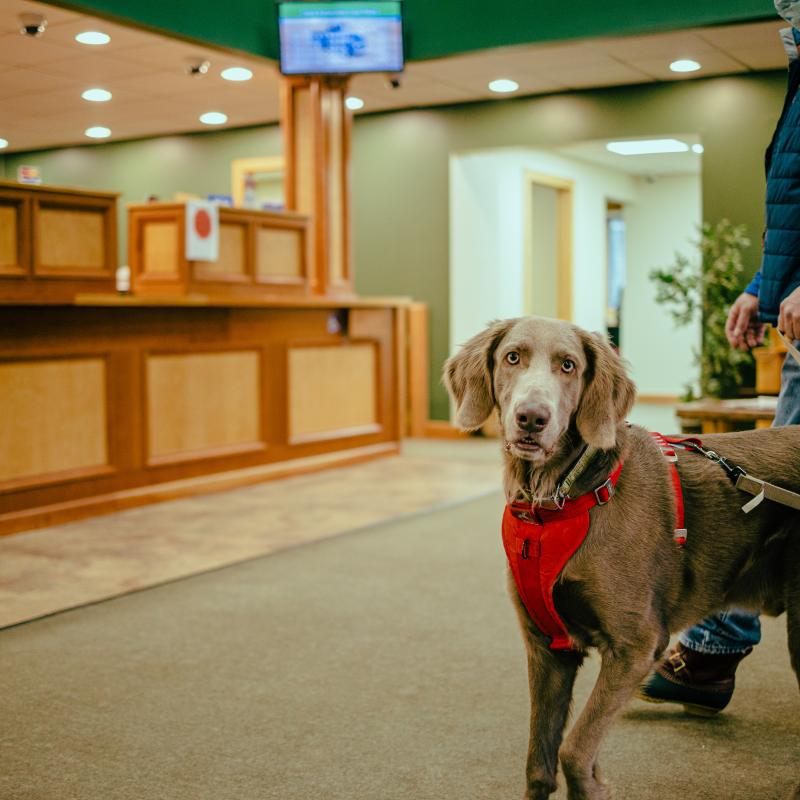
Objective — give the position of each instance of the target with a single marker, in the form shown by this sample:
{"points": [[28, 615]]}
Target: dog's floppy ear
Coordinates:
{"points": [[608, 393], [468, 375]]}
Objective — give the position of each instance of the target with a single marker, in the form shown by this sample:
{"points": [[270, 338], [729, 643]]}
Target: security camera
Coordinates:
{"points": [[197, 68], [32, 24], [392, 80]]}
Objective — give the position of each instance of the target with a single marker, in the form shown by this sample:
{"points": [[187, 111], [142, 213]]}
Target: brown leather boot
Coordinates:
{"points": [[703, 683]]}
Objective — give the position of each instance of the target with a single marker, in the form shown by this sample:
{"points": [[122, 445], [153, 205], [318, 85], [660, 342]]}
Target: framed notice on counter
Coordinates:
{"points": [[202, 231]]}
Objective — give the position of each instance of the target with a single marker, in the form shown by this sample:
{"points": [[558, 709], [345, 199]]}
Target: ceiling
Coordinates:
{"points": [[41, 79]]}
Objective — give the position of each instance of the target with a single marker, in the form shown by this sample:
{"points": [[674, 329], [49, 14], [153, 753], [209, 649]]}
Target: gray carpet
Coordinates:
{"points": [[385, 663]]}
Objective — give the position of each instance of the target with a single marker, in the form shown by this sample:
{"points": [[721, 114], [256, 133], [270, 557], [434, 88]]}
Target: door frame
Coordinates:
{"points": [[564, 203]]}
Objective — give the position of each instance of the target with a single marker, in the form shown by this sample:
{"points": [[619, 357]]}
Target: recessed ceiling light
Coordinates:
{"points": [[213, 118], [3, 144], [684, 65], [354, 103], [697, 148], [93, 37], [503, 86], [97, 95], [237, 74], [98, 132], [641, 147]]}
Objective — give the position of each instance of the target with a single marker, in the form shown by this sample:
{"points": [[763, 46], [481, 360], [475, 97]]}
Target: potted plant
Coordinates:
{"points": [[706, 290]]}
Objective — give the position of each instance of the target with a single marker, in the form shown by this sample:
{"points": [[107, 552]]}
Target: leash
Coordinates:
{"points": [[789, 346], [741, 478]]}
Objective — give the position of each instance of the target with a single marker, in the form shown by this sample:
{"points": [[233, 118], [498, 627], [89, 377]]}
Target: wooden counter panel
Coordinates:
{"points": [[55, 243], [262, 255], [55, 417], [70, 240], [161, 248], [332, 391], [202, 403], [9, 238], [279, 254], [146, 395], [232, 263]]}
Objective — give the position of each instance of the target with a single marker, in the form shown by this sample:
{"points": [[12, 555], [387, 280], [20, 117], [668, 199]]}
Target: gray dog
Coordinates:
{"points": [[558, 389]]}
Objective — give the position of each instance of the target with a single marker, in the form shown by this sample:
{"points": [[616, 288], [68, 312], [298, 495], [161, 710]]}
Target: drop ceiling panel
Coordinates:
{"points": [[664, 46], [762, 35], [21, 51], [759, 58], [16, 81], [712, 63]]}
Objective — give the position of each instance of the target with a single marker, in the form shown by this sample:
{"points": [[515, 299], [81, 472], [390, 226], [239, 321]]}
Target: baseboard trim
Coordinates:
{"points": [[441, 429], [72, 510], [658, 399]]}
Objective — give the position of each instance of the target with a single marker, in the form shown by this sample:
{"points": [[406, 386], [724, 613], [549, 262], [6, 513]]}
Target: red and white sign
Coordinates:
{"points": [[202, 231]]}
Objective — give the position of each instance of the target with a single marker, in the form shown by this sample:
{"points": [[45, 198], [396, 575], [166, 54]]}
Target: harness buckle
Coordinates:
{"points": [[559, 499], [608, 489]]}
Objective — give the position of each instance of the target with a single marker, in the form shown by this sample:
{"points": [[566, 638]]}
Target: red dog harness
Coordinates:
{"points": [[540, 541]]}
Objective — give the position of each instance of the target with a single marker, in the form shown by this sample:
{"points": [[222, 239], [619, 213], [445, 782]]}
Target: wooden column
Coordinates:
{"points": [[316, 130]]}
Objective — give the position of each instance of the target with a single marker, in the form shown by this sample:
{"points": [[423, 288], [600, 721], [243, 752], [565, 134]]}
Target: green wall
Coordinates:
{"points": [[400, 169], [436, 28]]}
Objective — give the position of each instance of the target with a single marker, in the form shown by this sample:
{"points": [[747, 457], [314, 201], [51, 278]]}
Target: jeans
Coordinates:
{"points": [[735, 630]]}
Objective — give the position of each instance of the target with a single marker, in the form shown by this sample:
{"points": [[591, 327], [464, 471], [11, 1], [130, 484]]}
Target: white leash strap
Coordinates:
{"points": [[790, 346], [762, 490]]}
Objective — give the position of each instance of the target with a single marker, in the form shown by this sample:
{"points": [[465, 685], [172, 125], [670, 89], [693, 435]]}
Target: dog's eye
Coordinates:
{"points": [[512, 357], [567, 365]]}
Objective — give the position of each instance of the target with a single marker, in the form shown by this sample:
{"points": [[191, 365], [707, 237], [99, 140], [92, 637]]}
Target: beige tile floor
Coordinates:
{"points": [[64, 566]]}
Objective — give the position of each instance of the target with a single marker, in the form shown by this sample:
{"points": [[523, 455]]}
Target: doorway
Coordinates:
{"points": [[615, 269], [547, 272]]}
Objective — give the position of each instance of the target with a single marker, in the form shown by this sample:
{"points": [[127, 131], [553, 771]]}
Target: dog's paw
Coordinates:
{"points": [[540, 790], [583, 786], [589, 790]]}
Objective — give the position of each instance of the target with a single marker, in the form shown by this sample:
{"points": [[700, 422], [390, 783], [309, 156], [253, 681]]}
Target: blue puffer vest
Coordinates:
{"points": [[780, 265]]}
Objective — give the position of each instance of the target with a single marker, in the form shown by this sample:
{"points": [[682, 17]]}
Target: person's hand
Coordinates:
{"points": [[743, 328], [789, 316]]}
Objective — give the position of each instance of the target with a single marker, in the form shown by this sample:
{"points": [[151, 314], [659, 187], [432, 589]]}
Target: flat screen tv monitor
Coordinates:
{"points": [[340, 37]]}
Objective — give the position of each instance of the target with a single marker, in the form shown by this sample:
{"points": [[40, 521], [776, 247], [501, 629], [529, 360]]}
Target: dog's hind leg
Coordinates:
{"points": [[551, 676], [621, 672]]}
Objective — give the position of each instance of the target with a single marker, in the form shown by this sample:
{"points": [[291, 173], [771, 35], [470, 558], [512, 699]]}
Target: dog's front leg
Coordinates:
{"points": [[620, 674], [551, 676]]}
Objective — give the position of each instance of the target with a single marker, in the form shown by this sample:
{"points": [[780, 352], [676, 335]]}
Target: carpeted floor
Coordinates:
{"points": [[380, 665]]}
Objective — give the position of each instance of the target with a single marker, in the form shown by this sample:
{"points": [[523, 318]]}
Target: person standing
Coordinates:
{"points": [[700, 671]]}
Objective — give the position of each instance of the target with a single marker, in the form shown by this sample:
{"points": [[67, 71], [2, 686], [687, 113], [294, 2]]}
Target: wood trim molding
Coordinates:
{"points": [[418, 368], [338, 433]]}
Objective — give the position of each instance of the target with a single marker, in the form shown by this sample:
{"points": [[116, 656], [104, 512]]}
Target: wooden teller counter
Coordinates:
{"points": [[207, 375]]}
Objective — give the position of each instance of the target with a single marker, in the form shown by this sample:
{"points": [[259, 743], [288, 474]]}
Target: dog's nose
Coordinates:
{"points": [[533, 418]]}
